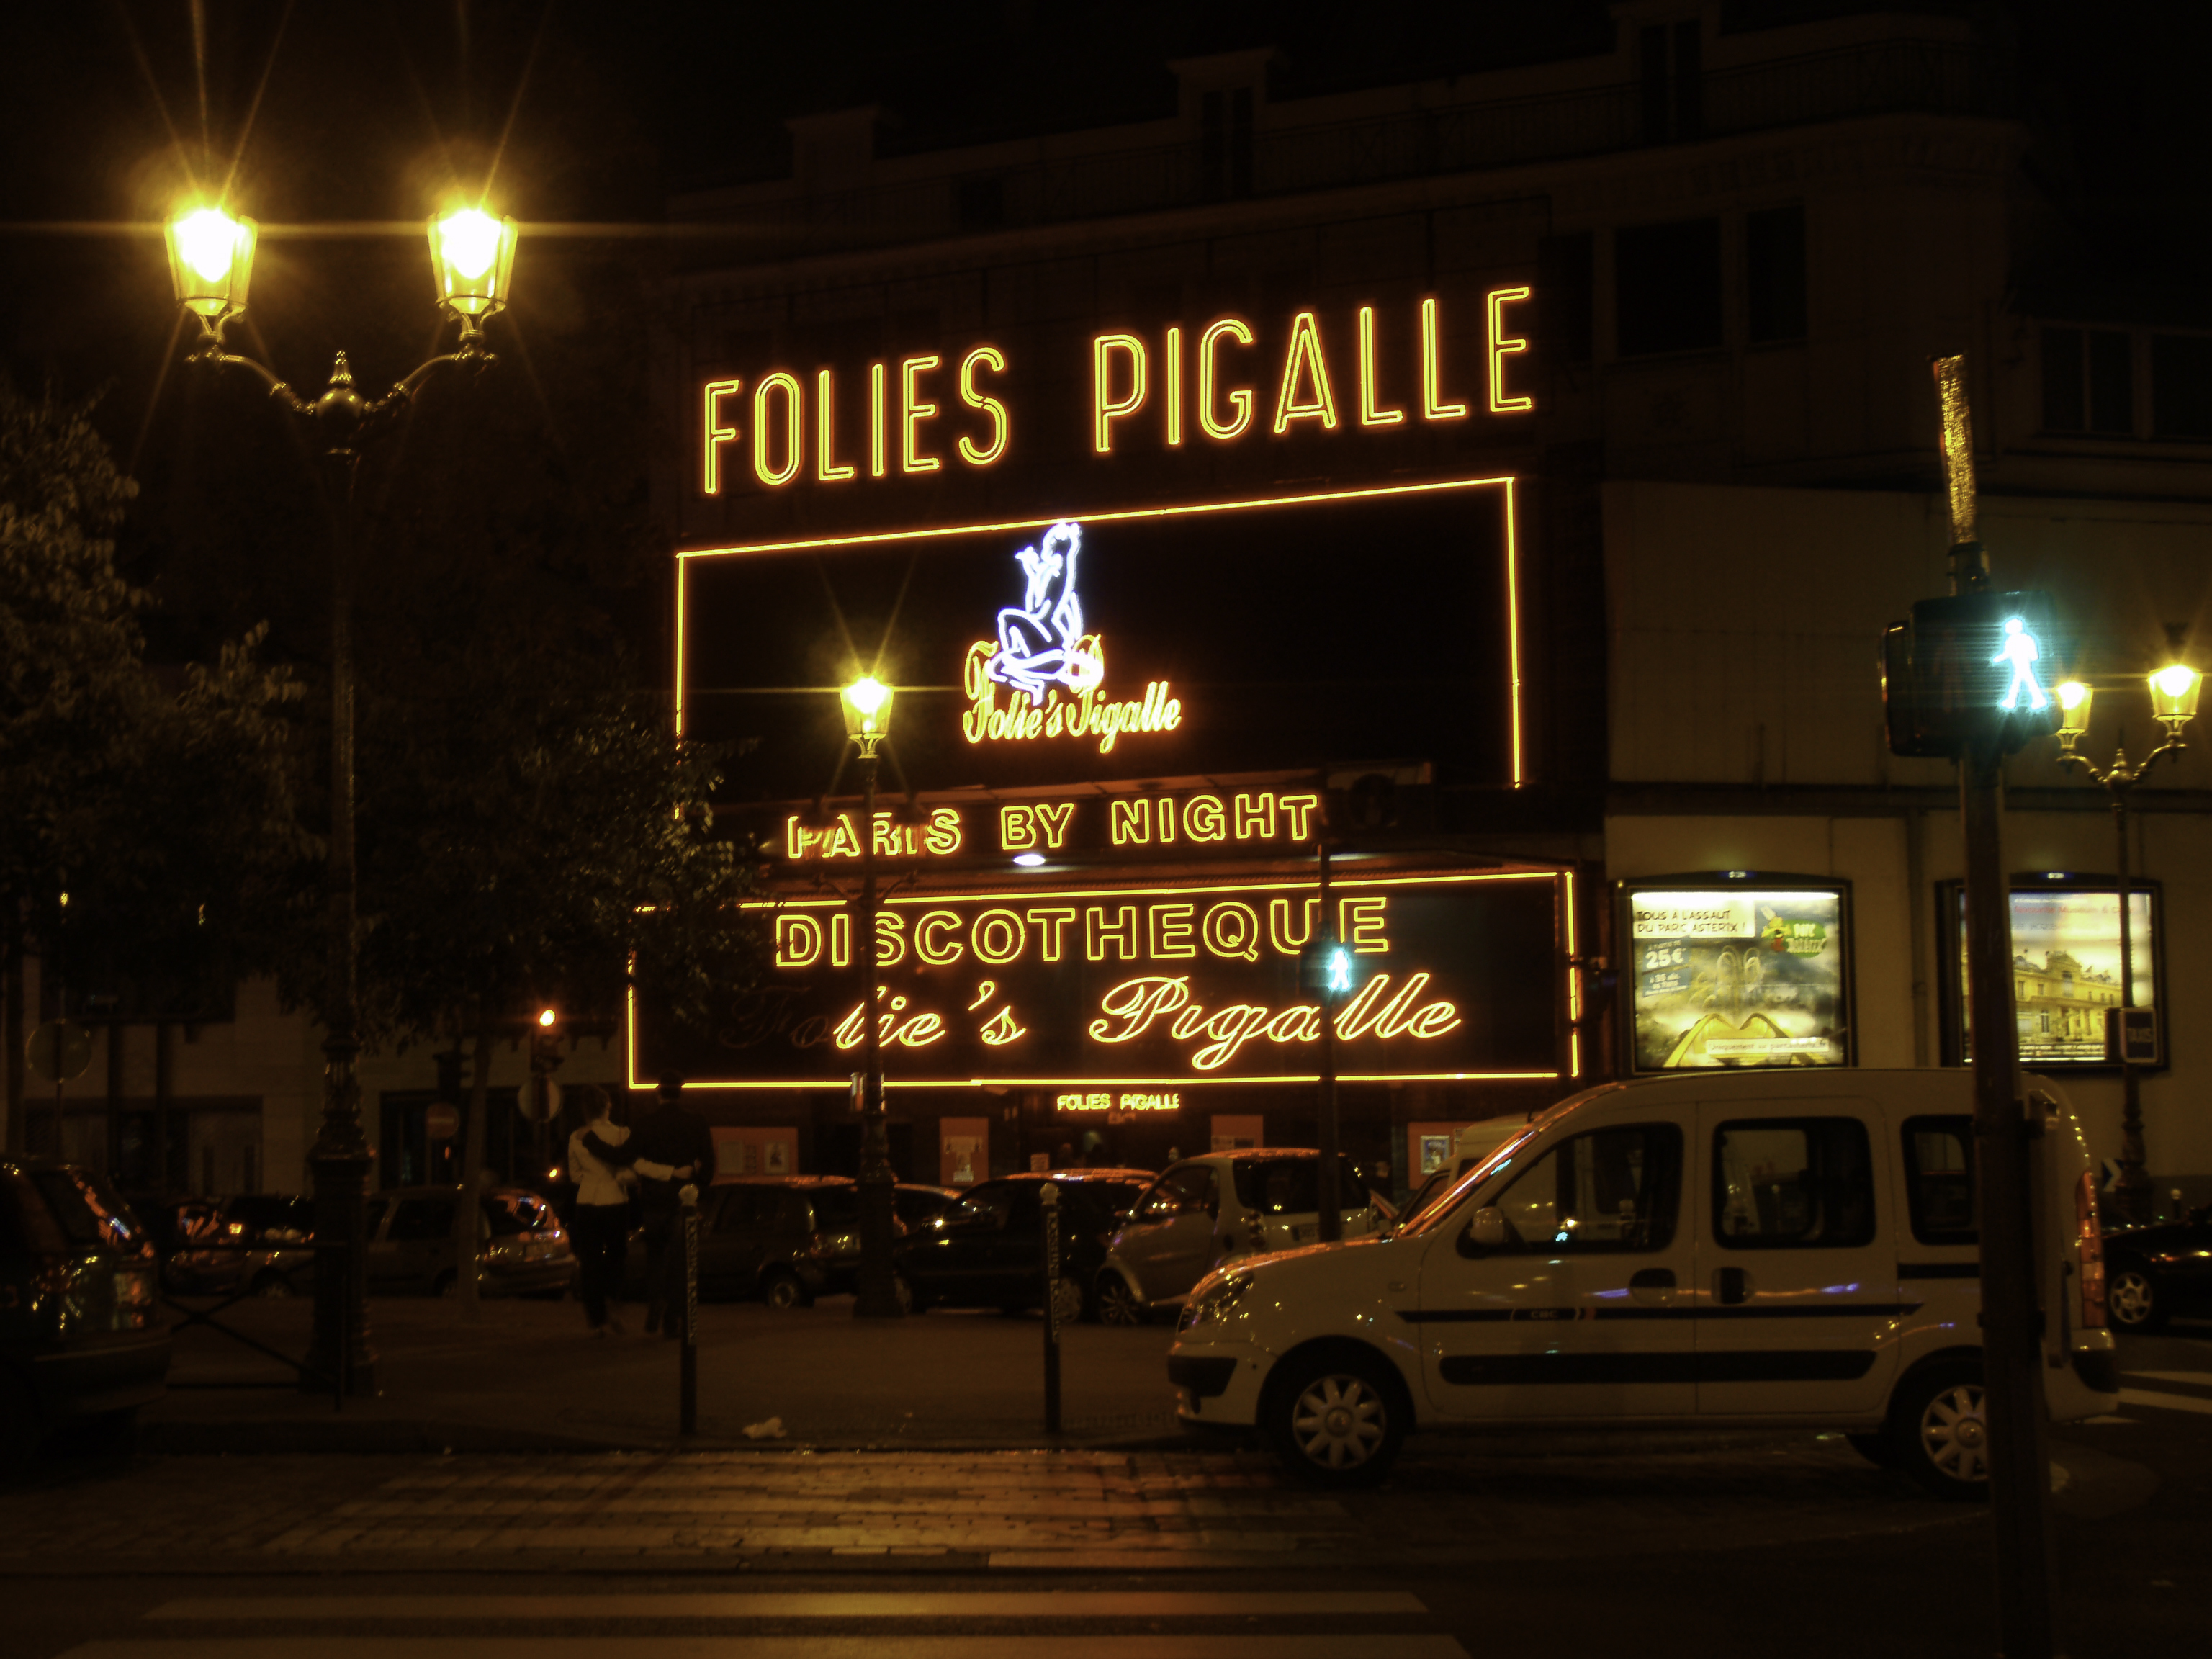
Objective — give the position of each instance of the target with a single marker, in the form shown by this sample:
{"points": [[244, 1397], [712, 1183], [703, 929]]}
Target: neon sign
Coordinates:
{"points": [[1130, 822], [1150, 987], [1227, 375], [1042, 652]]}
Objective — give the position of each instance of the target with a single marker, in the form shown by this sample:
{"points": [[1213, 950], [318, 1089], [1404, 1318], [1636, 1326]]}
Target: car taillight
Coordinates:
{"points": [[2089, 1242]]}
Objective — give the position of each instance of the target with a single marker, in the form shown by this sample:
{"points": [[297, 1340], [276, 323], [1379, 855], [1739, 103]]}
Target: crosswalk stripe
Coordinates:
{"points": [[876, 1644], [2173, 1402], [987, 1604]]}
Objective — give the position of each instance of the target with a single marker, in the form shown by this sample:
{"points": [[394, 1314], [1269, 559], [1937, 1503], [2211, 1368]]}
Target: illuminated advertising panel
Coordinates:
{"points": [[2065, 969], [1140, 991], [1731, 974], [1273, 633]]}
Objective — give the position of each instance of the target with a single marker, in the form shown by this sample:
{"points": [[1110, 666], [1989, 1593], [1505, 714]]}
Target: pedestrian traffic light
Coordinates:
{"points": [[1968, 668], [1327, 970]]}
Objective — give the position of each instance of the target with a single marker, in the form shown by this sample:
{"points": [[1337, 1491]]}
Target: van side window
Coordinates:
{"points": [[1939, 1179], [1610, 1190], [1792, 1183]]}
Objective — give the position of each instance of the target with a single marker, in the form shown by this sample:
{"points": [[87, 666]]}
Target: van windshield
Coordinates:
{"points": [[1431, 1211]]}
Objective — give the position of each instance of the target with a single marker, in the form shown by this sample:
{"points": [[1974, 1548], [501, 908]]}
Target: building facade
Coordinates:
{"points": [[1505, 479]]}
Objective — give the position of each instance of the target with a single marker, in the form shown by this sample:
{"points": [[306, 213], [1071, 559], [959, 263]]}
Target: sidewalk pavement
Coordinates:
{"points": [[526, 1376]]}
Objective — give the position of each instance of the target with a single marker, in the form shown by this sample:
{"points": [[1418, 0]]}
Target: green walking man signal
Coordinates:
{"points": [[1966, 667]]}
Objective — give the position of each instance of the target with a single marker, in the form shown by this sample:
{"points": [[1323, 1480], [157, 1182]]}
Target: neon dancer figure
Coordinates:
{"points": [[1043, 644], [2018, 649]]}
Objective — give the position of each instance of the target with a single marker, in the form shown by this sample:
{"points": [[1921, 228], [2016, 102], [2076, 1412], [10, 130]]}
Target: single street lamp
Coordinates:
{"points": [[867, 707], [2173, 691], [210, 267]]}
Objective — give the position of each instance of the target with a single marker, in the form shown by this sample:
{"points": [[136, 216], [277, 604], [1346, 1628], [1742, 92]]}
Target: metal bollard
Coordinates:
{"points": [[688, 1409], [1051, 1197]]}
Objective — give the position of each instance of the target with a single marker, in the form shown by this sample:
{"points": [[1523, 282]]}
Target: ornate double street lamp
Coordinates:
{"points": [[211, 263], [2173, 691], [867, 707]]}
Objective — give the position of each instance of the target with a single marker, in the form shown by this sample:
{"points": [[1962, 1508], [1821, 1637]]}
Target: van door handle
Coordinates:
{"points": [[1731, 1286], [1653, 1278]]}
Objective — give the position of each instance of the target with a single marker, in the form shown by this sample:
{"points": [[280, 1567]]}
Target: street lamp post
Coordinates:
{"points": [[210, 266], [867, 707], [2173, 692]]}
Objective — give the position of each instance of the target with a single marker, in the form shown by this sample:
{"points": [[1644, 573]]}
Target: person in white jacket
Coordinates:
{"points": [[601, 1224]]}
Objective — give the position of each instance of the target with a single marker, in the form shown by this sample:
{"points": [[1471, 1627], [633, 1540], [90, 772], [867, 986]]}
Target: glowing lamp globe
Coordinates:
{"points": [[2073, 701], [472, 256], [2173, 691], [211, 261], [867, 705]]}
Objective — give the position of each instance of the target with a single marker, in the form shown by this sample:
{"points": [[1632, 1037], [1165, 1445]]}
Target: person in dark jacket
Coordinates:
{"points": [[670, 1137]]}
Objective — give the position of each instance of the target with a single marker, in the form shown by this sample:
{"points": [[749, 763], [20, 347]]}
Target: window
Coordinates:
{"points": [[1609, 1190], [1226, 142], [1939, 1179], [1192, 1186], [2181, 385], [740, 1209], [1667, 287], [1774, 274], [1798, 1183], [1565, 265], [420, 1218], [1291, 1186], [2088, 381], [1672, 85]]}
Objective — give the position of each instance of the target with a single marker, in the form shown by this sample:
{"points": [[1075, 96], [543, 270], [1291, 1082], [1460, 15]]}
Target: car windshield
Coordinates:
{"points": [[1291, 1186], [87, 1209], [1446, 1195]]}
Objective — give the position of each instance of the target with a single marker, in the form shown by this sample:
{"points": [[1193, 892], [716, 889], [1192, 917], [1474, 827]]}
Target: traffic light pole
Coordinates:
{"points": [[2019, 1447], [1329, 1223]]}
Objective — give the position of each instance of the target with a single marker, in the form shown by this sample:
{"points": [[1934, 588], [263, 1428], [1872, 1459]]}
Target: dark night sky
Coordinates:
{"points": [[347, 112]]}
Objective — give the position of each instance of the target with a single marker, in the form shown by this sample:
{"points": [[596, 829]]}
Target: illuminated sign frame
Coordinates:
{"points": [[1170, 936], [893, 539], [1777, 939], [2149, 956]]}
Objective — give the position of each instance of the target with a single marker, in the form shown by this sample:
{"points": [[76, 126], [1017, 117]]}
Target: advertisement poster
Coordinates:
{"points": [[1737, 977], [2066, 971]]}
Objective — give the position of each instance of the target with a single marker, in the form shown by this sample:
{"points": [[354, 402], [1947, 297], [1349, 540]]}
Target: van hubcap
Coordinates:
{"points": [[1955, 1433], [1338, 1421]]}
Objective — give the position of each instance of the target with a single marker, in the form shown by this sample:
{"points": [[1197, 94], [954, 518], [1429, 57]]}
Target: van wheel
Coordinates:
{"points": [[1939, 1432], [1336, 1420], [781, 1291], [2132, 1301], [1116, 1303]]}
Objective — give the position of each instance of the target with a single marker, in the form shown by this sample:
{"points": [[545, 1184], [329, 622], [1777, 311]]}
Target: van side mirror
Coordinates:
{"points": [[1489, 1228]]}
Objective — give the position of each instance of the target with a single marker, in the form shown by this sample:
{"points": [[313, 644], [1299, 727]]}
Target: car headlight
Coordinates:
{"points": [[1214, 1302]]}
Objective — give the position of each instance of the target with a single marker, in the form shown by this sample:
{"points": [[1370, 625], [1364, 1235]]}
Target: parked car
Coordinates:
{"points": [[2154, 1271], [987, 1250], [1206, 1210], [79, 1338], [524, 1251], [264, 1221], [1699, 1250], [917, 1205], [786, 1239]]}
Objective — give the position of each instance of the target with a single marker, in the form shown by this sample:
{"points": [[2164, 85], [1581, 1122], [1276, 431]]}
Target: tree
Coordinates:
{"points": [[162, 803], [527, 826]]}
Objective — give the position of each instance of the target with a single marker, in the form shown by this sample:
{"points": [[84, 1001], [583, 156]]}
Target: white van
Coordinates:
{"points": [[1755, 1249]]}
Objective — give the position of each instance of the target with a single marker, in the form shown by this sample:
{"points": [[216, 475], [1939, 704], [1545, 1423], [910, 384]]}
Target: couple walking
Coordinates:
{"points": [[669, 1148]]}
